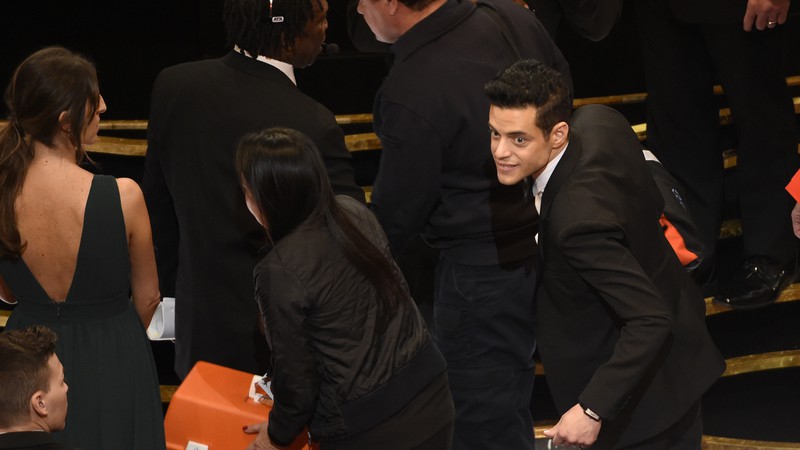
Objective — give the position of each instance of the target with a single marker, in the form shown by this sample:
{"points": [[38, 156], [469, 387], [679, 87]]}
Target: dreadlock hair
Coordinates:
{"points": [[283, 170], [47, 83], [249, 25]]}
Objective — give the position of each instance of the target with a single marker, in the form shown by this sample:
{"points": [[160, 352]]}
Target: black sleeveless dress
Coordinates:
{"points": [[114, 400]]}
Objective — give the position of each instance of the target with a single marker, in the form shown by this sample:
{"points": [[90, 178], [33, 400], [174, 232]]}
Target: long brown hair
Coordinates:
{"points": [[47, 83]]}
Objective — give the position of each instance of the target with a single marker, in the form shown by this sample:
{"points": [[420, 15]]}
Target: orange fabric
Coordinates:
{"points": [[210, 407], [676, 241], [794, 186]]}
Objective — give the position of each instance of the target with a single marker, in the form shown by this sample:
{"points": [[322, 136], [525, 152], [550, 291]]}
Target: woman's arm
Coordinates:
{"points": [[144, 277], [283, 301], [5, 293]]}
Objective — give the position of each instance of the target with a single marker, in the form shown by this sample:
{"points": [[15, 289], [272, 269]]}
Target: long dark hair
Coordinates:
{"points": [[283, 170], [49, 82]]}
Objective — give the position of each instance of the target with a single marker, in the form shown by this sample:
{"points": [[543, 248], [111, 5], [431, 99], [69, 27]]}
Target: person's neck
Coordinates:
{"points": [[59, 152], [279, 62], [22, 428], [413, 17]]}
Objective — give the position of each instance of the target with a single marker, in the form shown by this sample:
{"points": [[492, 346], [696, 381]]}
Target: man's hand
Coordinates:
{"points": [[574, 428], [796, 219], [261, 441], [765, 13]]}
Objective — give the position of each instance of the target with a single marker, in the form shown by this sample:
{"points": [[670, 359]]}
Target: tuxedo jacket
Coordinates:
{"points": [[709, 11], [206, 241], [621, 325], [31, 440]]}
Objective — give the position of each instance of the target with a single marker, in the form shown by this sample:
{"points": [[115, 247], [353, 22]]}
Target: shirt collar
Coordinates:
{"points": [[439, 22], [541, 181], [286, 68]]}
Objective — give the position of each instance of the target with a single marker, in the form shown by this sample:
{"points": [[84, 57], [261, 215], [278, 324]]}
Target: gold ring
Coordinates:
{"points": [[771, 23]]}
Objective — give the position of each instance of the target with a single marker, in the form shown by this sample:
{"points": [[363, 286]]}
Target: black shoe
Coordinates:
{"points": [[757, 283]]}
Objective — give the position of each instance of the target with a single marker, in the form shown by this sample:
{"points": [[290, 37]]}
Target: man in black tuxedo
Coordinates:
{"points": [[206, 241], [687, 46], [620, 325], [32, 390]]}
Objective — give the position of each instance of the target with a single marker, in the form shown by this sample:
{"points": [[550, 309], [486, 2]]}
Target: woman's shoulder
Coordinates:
{"points": [[357, 211], [365, 220]]}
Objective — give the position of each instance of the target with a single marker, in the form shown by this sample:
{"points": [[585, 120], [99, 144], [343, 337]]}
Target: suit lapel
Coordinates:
{"points": [[560, 175]]}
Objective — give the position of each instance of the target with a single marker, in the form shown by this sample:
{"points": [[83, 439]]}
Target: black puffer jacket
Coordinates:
{"points": [[336, 368]]}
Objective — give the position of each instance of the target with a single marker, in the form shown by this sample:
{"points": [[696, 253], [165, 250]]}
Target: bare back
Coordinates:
{"points": [[50, 212]]}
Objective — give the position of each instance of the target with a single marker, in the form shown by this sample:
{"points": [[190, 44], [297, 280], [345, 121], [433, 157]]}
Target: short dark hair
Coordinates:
{"points": [[531, 83], [284, 171], [248, 24], [24, 356]]}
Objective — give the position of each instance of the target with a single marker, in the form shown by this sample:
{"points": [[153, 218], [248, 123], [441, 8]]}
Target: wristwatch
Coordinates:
{"points": [[592, 415]]}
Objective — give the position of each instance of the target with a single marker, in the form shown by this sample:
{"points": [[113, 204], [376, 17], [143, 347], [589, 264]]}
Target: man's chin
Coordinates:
{"points": [[508, 180]]}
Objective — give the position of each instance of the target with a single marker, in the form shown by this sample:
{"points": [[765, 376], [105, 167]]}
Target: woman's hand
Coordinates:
{"points": [[261, 441]]}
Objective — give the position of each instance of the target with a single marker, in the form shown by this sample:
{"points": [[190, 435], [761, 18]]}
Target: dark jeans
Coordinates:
{"points": [[484, 329]]}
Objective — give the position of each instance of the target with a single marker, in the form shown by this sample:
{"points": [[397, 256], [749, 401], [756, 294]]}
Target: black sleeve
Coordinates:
{"points": [[338, 162], [163, 220]]}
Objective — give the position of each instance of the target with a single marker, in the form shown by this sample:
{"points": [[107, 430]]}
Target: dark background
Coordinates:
{"points": [[132, 41]]}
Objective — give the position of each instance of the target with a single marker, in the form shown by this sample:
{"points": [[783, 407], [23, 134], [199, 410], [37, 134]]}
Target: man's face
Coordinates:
{"points": [[309, 45], [56, 397], [519, 147], [376, 14]]}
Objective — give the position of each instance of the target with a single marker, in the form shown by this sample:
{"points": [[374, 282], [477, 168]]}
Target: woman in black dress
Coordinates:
{"points": [[76, 254]]}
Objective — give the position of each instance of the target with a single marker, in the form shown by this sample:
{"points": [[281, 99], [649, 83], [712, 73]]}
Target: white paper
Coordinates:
{"points": [[258, 385], [162, 327]]}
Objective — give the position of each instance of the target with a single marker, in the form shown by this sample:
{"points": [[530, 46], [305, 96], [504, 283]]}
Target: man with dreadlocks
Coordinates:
{"points": [[206, 240]]}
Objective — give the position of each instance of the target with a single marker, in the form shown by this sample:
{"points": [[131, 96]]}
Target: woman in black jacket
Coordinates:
{"points": [[352, 359]]}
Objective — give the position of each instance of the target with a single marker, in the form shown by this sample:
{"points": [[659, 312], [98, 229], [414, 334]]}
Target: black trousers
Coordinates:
{"points": [[682, 61], [686, 434]]}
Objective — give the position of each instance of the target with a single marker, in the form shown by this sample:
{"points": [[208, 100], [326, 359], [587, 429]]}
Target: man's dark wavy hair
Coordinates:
{"points": [[531, 83]]}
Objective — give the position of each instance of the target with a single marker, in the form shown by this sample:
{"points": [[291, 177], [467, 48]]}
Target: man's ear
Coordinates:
{"points": [[392, 5], [559, 135], [39, 404]]}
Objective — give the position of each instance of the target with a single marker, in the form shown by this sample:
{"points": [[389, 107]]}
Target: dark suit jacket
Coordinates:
{"points": [[591, 19], [621, 326], [33, 440], [709, 11], [714, 11], [206, 241]]}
